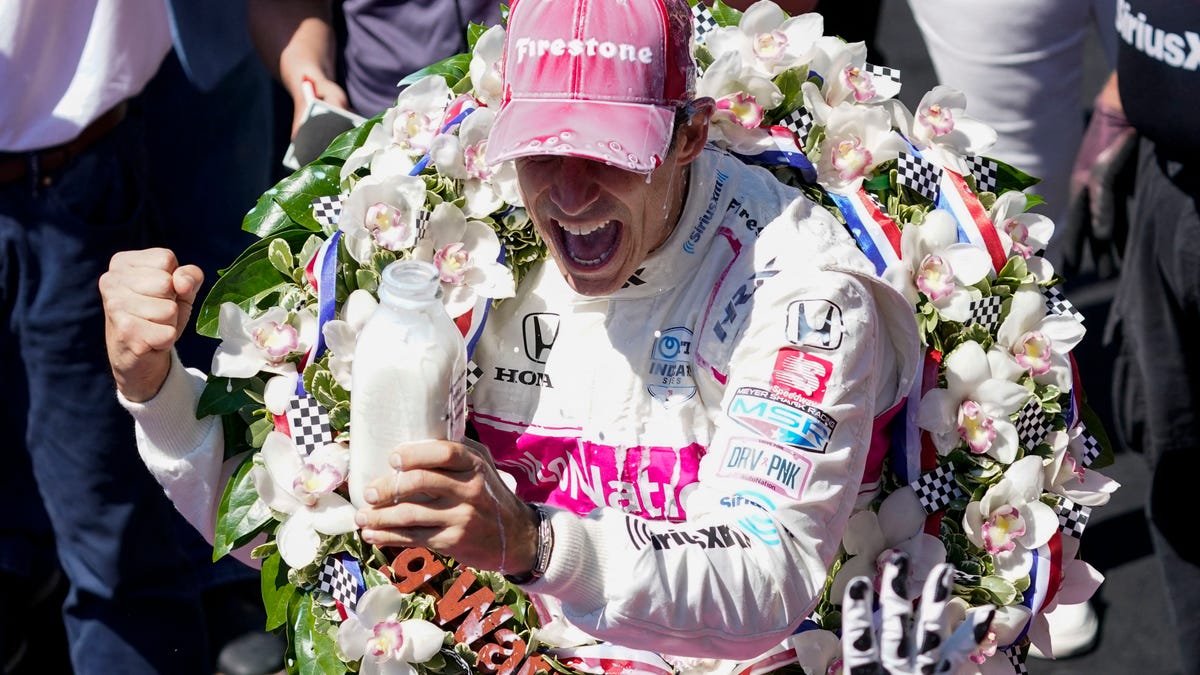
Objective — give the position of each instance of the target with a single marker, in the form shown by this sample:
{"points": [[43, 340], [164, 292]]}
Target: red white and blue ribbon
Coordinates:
{"points": [[609, 659], [321, 273], [785, 151], [1045, 578], [876, 234], [974, 226]]}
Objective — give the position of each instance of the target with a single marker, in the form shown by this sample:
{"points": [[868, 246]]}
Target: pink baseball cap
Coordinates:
{"points": [[598, 79]]}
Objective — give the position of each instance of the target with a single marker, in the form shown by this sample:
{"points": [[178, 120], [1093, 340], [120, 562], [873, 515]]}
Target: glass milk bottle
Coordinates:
{"points": [[410, 367]]}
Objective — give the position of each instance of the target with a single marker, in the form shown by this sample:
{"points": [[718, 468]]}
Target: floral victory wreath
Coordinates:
{"points": [[993, 464]]}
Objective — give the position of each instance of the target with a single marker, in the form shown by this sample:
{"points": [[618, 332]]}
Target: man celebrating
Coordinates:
{"points": [[690, 393]]}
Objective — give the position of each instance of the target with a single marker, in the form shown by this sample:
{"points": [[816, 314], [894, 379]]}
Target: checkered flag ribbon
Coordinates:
{"points": [[474, 374], [327, 209], [1057, 303], [423, 222], [986, 172], [1017, 659], [936, 489], [635, 279], [340, 581], [309, 423], [799, 122], [986, 312], [1072, 517], [1091, 447], [917, 173], [1032, 425], [703, 20], [885, 72]]}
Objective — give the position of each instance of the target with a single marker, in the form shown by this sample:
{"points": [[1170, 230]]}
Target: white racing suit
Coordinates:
{"points": [[701, 434]]}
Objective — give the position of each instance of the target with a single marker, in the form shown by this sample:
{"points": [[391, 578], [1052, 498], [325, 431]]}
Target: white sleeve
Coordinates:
{"points": [[776, 487], [185, 454]]}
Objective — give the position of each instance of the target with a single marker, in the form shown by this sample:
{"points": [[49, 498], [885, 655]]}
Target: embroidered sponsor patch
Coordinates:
{"points": [[775, 418], [670, 377], [773, 466], [814, 323], [663, 538], [760, 525], [799, 374]]}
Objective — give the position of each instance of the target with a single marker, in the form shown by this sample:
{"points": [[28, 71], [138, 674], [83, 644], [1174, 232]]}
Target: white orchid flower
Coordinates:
{"points": [[465, 253], [871, 538], [944, 133], [486, 188], [405, 133], [1031, 340], [936, 264], [857, 139], [386, 645], [341, 335], [1023, 233], [486, 79], [767, 39], [382, 211], [743, 97], [845, 79], [1009, 520], [1065, 474], [974, 407], [818, 651], [279, 391], [1006, 627], [303, 490], [249, 345]]}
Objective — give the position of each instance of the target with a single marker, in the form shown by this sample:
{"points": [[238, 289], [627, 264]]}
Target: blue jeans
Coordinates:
{"points": [[132, 606]]}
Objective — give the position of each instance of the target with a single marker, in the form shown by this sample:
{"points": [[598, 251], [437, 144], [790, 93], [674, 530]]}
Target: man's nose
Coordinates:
{"points": [[574, 189]]}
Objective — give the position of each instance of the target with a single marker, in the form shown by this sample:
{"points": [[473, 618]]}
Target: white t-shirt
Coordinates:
{"points": [[63, 63]]}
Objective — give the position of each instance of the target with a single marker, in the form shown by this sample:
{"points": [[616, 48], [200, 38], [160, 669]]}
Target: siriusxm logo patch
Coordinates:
{"points": [[670, 378], [761, 525], [773, 466], [777, 419]]}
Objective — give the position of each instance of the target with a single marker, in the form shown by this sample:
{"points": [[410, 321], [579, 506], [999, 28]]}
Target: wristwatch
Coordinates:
{"points": [[545, 545]]}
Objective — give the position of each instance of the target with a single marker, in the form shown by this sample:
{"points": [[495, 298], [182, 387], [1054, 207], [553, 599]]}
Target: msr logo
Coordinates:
{"points": [[540, 329], [775, 418]]}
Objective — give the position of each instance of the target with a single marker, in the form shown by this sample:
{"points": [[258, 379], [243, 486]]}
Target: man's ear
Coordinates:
{"points": [[692, 136]]}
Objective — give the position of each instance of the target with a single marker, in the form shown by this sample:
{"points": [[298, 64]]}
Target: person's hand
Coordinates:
{"points": [[1100, 181], [902, 646], [147, 297], [449, 497], [313, 83]]}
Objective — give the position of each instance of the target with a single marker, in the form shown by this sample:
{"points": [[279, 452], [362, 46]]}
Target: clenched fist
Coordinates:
{"points": [[147, 297]]}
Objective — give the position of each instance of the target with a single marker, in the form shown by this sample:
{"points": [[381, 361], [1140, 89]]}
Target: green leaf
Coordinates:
{"points": [[266, 218], [453, 69], [316, 652], [474, 32], [295, 194], [224, 395], [1011, 178], [725, 15], [277, 593], [280, 256], [258, 431], [248, 280], [1002, 592], [877, 184], [789, 82], [348, 142], [238, 521]]}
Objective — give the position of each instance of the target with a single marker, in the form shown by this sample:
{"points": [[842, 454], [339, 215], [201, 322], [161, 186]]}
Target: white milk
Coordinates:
{"points": [[410, 367]]}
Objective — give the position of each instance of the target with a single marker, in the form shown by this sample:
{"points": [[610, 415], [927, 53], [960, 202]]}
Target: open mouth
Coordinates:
{"points": [[589, 245]]}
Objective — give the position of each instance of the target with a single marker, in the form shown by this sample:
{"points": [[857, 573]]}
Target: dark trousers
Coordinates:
{"points": [[132, 606], [1158, 306]]}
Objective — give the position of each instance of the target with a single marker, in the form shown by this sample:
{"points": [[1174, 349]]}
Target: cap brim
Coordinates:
{"points": [[629, 135]]}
